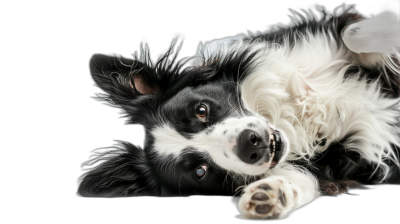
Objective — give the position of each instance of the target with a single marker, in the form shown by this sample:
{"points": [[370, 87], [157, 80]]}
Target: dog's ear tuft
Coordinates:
{"points": [[123, 171]]}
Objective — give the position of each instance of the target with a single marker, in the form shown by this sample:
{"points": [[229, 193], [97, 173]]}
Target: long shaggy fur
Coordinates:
{"points": [[309, 106]]}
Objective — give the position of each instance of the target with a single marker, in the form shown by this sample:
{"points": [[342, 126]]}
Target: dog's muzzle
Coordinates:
{"points": [[253, 148]]}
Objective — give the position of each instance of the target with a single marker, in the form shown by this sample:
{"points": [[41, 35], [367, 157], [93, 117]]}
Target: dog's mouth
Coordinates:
{"points": [[276, 147]]}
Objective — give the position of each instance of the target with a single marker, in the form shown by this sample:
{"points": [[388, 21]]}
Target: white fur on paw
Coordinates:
{"points": [[378, 34], [270, 198]]}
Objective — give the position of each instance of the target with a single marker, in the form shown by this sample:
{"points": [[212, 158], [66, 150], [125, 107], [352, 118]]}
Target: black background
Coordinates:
{"points": [[73, 33]]}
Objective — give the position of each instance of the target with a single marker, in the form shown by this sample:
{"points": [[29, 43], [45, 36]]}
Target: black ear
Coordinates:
{"points": [[123, 79], [124, 172]]}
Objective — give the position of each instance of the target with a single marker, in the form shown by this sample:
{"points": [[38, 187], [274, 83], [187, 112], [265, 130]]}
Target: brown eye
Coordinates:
{"points": [[201, 171], [201, 111]]}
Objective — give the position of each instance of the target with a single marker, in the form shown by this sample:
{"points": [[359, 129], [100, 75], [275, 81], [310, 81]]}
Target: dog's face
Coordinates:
{"points": [[210, 119], [200, 139]]}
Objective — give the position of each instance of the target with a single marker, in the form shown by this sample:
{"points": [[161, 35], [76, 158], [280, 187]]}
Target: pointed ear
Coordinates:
{"points": [[124, 172], [123, 79]]}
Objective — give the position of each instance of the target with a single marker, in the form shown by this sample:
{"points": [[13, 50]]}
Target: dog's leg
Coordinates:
{"points": [[379, 34], [275, 196], [375, 44]]}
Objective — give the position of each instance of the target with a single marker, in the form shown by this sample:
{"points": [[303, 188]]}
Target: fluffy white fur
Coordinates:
{"points": [[289, 87]]}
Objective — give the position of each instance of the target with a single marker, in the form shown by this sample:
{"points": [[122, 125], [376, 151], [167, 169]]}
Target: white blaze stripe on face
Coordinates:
{"points": [[218, 143]]}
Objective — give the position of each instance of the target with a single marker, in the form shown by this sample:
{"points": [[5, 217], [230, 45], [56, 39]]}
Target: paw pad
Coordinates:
{"points": [[265, 187], [266, 201], [282, 198], [263, 209], [259, 196]]}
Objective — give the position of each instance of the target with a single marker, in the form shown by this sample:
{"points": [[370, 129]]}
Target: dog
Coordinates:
{"points": [[281, 116]]}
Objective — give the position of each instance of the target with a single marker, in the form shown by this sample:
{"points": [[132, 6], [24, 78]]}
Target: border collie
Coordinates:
{"points": [[281, 116]]}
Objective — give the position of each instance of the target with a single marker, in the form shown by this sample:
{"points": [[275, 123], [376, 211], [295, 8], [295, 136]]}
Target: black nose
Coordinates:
{"points": [[250, 146]]}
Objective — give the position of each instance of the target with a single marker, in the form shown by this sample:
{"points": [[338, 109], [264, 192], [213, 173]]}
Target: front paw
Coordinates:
{"points": [[377, 34], [270, 198]]}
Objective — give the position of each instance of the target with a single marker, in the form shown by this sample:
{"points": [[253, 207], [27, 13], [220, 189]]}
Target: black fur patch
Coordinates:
{"points": [[340, 168]]}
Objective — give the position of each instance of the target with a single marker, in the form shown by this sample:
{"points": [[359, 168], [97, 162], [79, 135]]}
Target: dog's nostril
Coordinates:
{"points": [[253, 157], [253, 139]]}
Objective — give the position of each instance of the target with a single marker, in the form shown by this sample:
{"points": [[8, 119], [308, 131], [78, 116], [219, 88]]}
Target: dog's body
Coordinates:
{"points": [[294, 113]]}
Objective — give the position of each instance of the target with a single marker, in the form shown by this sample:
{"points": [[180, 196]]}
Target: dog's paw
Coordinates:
{"points": [[270, 198], [378, 34]]}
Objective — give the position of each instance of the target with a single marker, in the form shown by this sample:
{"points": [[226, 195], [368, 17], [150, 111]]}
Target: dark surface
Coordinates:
{"points": [[74, 33]]}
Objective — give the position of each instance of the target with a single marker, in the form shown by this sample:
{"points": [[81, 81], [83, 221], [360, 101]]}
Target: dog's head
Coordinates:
{"points": [[200, 138]]}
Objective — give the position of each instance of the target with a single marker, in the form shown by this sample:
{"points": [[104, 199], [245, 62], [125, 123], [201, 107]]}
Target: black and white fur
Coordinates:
{"points": [[284, 116]]}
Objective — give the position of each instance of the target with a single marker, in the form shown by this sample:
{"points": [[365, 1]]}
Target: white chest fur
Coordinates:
{"points": [[303, 91]]}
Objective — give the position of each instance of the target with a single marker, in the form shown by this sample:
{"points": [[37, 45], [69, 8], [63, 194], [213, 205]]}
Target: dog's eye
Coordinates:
{"points": [[201, 171], [201, 111]]}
